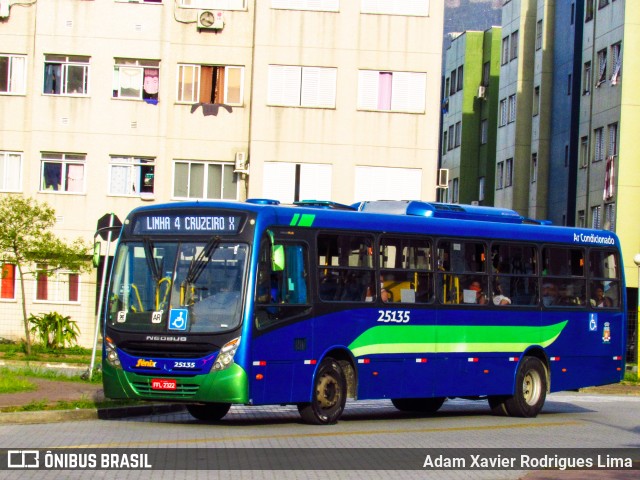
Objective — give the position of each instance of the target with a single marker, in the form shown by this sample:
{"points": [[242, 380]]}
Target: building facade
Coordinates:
{"points": [[470, 102], [105, 106]]}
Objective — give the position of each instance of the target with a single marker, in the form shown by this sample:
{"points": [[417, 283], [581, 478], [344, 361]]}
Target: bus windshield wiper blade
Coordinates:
{"points": [[197, 265]]}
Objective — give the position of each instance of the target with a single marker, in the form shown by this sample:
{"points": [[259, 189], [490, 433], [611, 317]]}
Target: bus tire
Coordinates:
{"points": [[498, 405], [208, 412], [531, 389], [329, 395], [419, 405]]}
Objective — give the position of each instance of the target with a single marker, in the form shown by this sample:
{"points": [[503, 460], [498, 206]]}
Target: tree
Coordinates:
{"points": [[26, 241]]}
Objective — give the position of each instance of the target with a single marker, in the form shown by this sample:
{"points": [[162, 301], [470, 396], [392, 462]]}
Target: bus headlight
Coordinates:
{"points": [[227, 352], [111, 353]]}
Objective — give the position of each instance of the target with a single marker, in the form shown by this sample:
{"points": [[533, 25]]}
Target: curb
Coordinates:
{"points": [[56, 416]]}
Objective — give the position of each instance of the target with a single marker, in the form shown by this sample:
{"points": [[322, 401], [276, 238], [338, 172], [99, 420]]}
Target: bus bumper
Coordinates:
{"points": [[224, 386]]}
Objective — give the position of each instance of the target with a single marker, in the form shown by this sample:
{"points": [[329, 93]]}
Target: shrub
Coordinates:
{"points": [[54, 330]]}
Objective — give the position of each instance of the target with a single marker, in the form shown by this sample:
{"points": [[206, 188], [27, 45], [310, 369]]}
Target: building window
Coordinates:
{"points": [[142, 1], [481, 186], [598, 135], [586, 79], [508, 173], [10, 171], [536, 101], [392, 91], [539, 35], [454, 82], [447, 87], [580, 222], [324, 6], [505, 51], [415, 7], [460, 77], [445, 144], [484, 131], [503, 112], [60, 287], [534, 168], [204, 180], [136, 79], [602, 67], [588, 15], [514, 45], [499, 175], [610, 216], [612, 149], [512, 108], [66, 75], [13, 74], [584, 152], [62, 172], [602, 3], [452, 137], [296, 86], [210, 84], [616, 59], [486, 73], [596, 216], [458, 134], [131, 176], [455, 191], [8, 283]]}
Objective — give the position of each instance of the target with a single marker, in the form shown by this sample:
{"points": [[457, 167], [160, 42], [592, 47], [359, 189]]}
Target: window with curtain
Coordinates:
{"points": [[602, 67], [13, 70], [136, 79], [298, 86], [62, 173], [66, 75], [392, 91], [210, 84], [8, 283], [10, 171], [131, 176]]}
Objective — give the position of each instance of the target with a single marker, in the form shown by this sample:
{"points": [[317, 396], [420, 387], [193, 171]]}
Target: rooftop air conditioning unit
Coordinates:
{"points": [[210, 20], [482, 91], [241, 165], [443, 178]]}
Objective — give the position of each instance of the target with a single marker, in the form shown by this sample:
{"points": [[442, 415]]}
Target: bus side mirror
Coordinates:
{"points": [[96, 254], [277, 258]]}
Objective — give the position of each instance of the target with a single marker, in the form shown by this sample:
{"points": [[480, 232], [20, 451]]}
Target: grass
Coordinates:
{"points": [[39, 353], [11, 382]]}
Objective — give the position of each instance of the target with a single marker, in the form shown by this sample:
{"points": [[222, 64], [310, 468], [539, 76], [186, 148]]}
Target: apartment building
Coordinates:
{"points": [[470, 104], [108, 105]]}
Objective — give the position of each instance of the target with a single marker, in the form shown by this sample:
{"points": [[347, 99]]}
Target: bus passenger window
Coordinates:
{"points": [[406, 266]]}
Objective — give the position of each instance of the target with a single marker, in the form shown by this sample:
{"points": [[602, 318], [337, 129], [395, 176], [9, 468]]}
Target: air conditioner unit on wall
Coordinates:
{"points": [[482, 91], [443, 178], [210, 19], [241, 163]]}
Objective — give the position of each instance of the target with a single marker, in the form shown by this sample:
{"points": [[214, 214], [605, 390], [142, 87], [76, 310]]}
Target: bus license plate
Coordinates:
{"points": [[163, 384]]}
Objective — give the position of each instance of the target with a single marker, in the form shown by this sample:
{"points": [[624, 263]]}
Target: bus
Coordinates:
{"points": [[215, 303]]}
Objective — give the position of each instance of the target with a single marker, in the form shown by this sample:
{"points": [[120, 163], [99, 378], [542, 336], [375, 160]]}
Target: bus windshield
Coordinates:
{"points": [[172, 286]]}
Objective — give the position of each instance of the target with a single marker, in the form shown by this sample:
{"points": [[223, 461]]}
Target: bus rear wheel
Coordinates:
{"points": [[419, 405], [208, 412], [329, 395], [530, 393]]}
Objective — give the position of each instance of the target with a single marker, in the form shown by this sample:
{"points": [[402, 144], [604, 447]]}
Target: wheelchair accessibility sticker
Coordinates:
{"points": [[178, 318], [593, 322]]}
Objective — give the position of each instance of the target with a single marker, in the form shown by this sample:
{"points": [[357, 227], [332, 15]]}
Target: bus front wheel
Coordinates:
{"points": [[208, 412], [530, 392], [329, 395]]}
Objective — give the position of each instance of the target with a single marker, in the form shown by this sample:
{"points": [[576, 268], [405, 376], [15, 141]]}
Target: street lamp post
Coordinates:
{"points": [[636, 260]]}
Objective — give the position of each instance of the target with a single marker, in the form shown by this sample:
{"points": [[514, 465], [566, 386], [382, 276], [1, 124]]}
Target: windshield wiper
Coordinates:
{"points": [[197, 264], [148, 255]]}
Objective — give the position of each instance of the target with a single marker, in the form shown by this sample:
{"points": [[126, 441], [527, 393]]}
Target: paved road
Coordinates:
{"points": [[568, 421]]}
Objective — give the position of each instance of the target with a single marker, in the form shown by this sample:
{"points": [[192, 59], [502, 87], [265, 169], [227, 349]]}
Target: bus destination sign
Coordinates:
{"points": [[185, 223]]}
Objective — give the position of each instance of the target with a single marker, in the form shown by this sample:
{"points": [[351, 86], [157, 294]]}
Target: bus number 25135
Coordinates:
{"points": [[394, 316]]}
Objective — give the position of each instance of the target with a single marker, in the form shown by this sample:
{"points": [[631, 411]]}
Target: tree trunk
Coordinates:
{"points": [[27, 334]]}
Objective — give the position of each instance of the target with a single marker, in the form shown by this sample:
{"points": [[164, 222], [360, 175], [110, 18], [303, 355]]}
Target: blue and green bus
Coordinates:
{"points": [[218, 303]]}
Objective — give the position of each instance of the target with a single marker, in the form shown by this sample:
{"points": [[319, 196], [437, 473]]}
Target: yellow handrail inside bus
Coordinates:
{"points": [[135, 289], [167, 281]]}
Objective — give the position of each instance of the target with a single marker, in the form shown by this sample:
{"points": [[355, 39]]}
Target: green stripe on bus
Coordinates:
{"points": [[304, 220], [453, 338]]}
